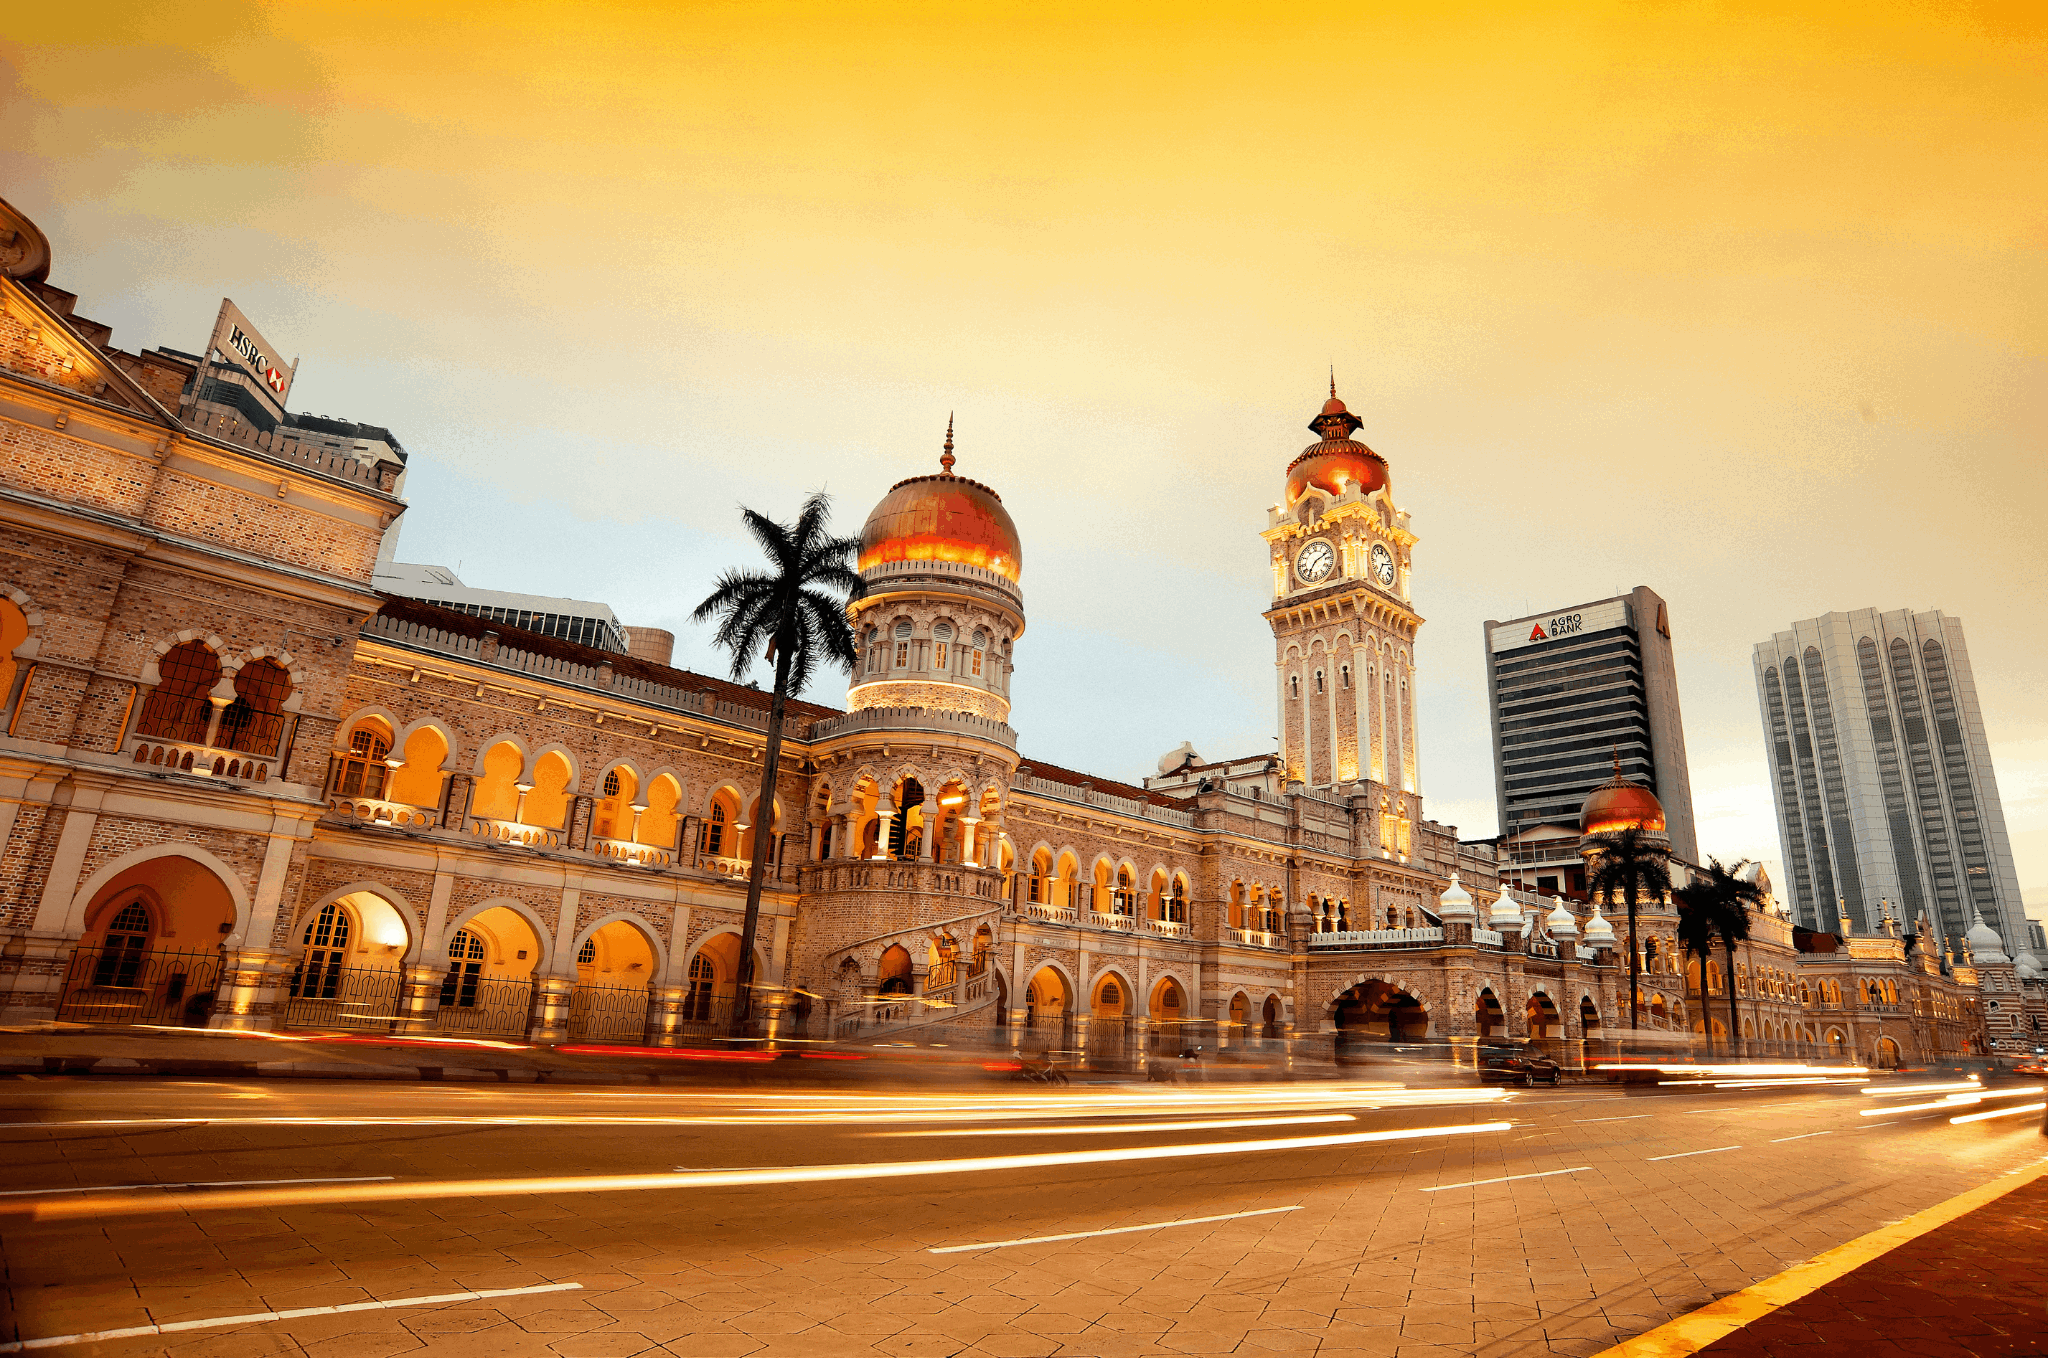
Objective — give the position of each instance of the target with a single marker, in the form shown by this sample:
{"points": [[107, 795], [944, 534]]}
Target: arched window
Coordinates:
{"points": [[1294, 686], [942, 637], [121, 952], [714, 832], [1344, 675], [319, 973], [1112, 995], [254, 722], [13, 631], [466, 954], [361, 772], [902, 644], [703, 983], [177, 709], [586, 956]]}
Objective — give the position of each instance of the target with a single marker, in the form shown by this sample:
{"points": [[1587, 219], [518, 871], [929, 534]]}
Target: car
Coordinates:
{"points": [[2036, 1069], [1527, 1070]]}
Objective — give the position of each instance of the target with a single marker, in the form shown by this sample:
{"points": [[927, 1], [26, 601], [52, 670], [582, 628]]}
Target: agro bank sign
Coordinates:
{"points": [[237, 341], [1510, 636]]}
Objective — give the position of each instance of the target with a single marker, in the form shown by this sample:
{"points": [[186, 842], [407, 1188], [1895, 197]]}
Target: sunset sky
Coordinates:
{"points": [[1743, 304]]}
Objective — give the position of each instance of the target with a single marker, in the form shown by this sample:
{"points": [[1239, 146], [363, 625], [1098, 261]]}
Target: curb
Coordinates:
{"points": [[1695, 1330]]}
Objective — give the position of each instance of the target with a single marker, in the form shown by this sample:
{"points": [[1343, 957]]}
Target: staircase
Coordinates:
{"points": [[894, 1017]]}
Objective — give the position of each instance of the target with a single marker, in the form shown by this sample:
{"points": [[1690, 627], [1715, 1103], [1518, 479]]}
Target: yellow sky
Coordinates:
{"points": [[1765, 286]]}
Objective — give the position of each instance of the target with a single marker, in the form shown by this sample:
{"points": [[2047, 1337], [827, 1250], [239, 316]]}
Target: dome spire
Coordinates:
{"points": [[946, 458], [1333, 381]]}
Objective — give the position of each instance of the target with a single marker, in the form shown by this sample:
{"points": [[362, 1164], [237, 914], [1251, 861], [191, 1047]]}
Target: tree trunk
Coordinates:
{"points": [[1635, 966], [1734, 1017], [764, 837], [1706, 1010]]}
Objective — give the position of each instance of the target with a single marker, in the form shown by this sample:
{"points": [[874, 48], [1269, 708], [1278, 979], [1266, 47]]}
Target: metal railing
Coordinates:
{"points": [[494, 1006], [360, 999], [121, 985], [603, 1013]]}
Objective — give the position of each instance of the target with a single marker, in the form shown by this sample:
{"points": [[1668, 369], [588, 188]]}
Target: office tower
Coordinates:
{"points": [[1882, 776], [1576, 692]]}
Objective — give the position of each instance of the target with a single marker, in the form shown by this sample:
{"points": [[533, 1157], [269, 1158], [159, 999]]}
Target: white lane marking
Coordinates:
{"points": [[1481, 1183], [419, 1191], [1630, 1118], [1114, 1230], [1716, 1150], [258, 1317], [1122, 1127], [1801, 1137], [200, 1183]]}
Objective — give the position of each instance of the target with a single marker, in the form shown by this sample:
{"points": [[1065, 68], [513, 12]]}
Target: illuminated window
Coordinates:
{"points": [[703, 981], [714, 832], [939, 656], [362, 770], [465, 967], [975, 665], [587, 955], [902, 654], [319, 974], [177, 709]]}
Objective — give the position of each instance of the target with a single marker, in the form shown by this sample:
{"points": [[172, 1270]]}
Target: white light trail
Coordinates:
{"points": [[201, 1183], [1506, 1179], [259, 1317], [1104, 1128], [1801, 1137], [1892, 1091], [1957, 1101], [2002, 1112], [1682, 1154], [416, 1191], [1630, 1118], [1114, 1230], [1738, 1070]]}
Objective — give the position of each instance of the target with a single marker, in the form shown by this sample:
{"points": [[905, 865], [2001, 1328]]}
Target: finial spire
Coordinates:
{"points": [[1333, 381], [946, 458]]}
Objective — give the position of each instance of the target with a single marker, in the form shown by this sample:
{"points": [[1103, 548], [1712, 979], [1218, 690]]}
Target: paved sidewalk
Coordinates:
{"points": [[1974, 1287]]}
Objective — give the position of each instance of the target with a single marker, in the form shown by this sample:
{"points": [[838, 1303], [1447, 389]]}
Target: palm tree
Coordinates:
{"points": [[1630, 865], [1696, 936], [1727, 901], [791, 609]]}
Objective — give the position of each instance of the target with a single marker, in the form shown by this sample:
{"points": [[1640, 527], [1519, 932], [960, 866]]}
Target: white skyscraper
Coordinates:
{"points": [[1882, 776]]}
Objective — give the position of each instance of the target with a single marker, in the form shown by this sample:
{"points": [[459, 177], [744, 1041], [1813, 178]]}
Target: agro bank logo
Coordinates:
{"points": [[1561, 626], [256, 359]]}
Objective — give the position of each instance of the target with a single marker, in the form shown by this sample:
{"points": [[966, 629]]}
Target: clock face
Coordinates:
{"points": [[1383, 565], [1315, 561]]}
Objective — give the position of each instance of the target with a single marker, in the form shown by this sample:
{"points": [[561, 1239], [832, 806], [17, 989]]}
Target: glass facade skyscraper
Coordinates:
{"points": [[1882, 776]]}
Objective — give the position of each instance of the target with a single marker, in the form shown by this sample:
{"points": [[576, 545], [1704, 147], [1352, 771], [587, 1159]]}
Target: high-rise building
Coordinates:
{"points": [[580, 620], [1580, 695], [1882, 776]]}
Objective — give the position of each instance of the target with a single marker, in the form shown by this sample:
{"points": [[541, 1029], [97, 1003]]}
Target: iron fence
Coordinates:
{"points": [[122, 985], [359, 999], [495, 1006], [603, 1013], [704, 1014]]}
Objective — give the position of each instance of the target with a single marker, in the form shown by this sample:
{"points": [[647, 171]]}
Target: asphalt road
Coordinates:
{"points": [[1326, 1219]]}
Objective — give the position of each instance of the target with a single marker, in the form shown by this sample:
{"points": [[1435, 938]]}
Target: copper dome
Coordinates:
{"points": [[942, 518], [1338, 463], [1618, 805]]}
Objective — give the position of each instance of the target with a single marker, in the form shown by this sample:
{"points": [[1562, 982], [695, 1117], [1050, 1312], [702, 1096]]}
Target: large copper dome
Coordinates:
{"points": [[943, 518], [1618, 805], [1338, 463]]}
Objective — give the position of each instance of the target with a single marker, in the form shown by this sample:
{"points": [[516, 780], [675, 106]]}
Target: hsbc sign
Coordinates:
{"points": [[1558, 626], [236, 340], [258, 361]]}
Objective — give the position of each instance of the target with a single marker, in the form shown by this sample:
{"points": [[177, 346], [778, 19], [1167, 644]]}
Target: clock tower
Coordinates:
{"points": [[1343, 624]]}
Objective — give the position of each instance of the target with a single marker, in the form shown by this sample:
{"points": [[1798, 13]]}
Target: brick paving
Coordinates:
{"points": [[1975, 1288]]}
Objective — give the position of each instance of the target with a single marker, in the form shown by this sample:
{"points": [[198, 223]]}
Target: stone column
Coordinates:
{"points": [[250, 996], [969, 850], [419, 1002], [455, 815], [548, 1023], [664, 1014]]}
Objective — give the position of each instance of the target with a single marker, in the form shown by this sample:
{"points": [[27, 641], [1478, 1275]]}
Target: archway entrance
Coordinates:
{"points": [[1491, 1019], [614, 967], [151, 951], [1885, 1056], [488, 988], [1376, 1012], [1111, 1009], [1048, 1012], [1544, 1020]]}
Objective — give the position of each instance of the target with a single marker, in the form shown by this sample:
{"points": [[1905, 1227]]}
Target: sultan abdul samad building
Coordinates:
{"points": [[241, 787]]}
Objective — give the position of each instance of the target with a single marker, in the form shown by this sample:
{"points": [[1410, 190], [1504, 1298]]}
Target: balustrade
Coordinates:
{"points": [[1257, 938], [373, 811], [629, 851], [1490, 937], [1378, 938], [513, 832], [205, 760]]}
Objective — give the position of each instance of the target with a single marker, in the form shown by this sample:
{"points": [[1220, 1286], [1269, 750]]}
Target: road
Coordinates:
{"points": [[1334, 1219]]}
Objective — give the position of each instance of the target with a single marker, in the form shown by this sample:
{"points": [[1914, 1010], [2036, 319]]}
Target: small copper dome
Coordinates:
{"points": [[1338, 463], [942, 518], [1618, 805]]}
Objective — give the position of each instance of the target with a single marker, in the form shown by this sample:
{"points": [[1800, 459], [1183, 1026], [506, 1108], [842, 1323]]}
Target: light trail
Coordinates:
{"points": [[1583, 1122], [1505, 1179], [1739, 1070], [416, 1191], [259, 1317], [2001, 1113], [1956, 1101], [1892, 1091], [200, 1183], [1801, 1137], [1114, 1230], [1682, 1154], [1103, 1128]]}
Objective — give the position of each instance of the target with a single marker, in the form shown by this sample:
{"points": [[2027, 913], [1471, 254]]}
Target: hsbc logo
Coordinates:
{"points": [[258, 361]]}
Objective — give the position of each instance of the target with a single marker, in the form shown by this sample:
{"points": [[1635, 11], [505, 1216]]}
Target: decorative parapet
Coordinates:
{"points": [[326, 461], [1124, 806], [1490, 937], [912, 719], [1256, 938], [1378, 938]]}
